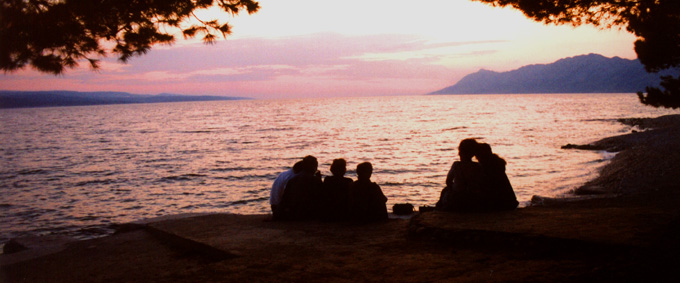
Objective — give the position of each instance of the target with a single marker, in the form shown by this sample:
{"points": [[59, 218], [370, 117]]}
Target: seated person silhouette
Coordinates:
{"points": [[279, 185], [301, 196], [463, 182], [336, 192], [366, 199], [499, 194]]}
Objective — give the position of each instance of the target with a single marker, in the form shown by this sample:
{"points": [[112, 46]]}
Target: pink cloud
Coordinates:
{"points": [[313, 65]]}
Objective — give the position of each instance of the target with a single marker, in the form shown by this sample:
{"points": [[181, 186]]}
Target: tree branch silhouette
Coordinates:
{"points": [[52, 35]]}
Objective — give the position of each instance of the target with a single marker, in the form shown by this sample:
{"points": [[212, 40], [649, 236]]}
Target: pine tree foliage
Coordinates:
{"points": [[52, 35]]}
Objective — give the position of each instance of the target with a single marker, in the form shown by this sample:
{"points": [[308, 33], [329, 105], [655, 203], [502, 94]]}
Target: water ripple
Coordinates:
{"points": [[63, 173]]}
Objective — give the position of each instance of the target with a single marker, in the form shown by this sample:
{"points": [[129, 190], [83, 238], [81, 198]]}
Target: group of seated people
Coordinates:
{"points": [[471, 186], [301, 194]]}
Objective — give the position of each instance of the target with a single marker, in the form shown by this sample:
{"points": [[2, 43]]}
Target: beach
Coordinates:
{"points": [[621, 226]]}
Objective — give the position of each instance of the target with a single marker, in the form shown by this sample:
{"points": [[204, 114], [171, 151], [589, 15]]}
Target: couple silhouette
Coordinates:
{"points": [[477, 186]]}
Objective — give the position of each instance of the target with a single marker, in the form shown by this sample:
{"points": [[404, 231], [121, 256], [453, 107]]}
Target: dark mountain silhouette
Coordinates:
{"points": [[18, 99], [590, 73]]}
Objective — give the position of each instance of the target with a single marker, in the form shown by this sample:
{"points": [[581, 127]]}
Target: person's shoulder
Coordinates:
{"points": [[373, 185], [292, 180], [353, 186], [498, 161], [466, 164], [297, 176], [284, 174], [358, 184], [333, 180], [495, 163]]}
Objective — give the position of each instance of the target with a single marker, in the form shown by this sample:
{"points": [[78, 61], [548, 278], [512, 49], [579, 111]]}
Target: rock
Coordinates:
{"points": [[426, 208], [591, 190], [402, 209], [537, 200], [13, 246], [582, 147], [24, 248], [126, 227]]}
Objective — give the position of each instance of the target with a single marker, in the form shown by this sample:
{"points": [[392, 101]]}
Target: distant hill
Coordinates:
{"points": [[590, 73], [18, 99]]}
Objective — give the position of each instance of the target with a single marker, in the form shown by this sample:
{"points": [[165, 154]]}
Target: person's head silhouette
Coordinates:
{"points": [[298, 167], [486, 156], [310, 164], [339, 167], [483, 152], [364, 171], [467, 149]]}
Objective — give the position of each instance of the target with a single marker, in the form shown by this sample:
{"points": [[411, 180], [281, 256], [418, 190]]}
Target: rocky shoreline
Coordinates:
{"points": [[647, 160], [630, 234]]}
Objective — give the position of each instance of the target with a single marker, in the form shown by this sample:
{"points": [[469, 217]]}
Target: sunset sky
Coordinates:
{"points": [[311, 48]]}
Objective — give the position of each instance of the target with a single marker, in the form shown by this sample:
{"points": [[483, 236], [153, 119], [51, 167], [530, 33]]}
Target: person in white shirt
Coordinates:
{"points": [[279, 185]]}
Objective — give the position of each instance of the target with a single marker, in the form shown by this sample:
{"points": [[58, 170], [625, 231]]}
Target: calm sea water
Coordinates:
{"points": [[76, 170]]}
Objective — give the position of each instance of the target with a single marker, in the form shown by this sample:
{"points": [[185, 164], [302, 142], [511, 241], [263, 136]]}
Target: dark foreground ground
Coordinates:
{"points": [[625, 228]]}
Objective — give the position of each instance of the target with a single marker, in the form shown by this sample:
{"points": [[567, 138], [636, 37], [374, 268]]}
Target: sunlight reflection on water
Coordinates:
{"points": [[78, 169]]}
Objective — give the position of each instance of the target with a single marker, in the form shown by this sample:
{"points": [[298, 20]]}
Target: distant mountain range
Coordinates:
{"points": [[590, 73], [18, 99]]}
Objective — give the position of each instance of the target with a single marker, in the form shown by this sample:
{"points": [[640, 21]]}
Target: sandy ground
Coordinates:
{"points": [[628, 231]]}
